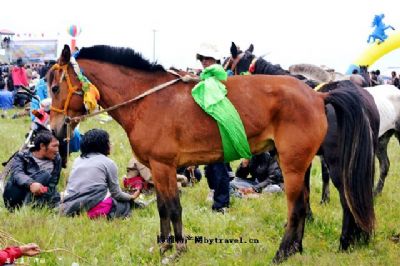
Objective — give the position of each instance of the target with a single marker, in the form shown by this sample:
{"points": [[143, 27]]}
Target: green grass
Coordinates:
{"points": [[133, 241]]}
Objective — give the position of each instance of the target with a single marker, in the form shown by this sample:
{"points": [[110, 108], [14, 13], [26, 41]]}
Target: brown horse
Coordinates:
{"points": [[277, 111]]}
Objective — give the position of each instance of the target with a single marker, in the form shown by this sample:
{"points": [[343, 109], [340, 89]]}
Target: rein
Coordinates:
{"points": [[144, 94], [233, 62], [73, 90]]}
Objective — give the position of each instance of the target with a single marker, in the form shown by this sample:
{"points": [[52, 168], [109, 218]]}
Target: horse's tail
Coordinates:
{"points": [[356, 150]]}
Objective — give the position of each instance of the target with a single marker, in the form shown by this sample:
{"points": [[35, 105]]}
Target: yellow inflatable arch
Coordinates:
{"points": [[376, 51]]}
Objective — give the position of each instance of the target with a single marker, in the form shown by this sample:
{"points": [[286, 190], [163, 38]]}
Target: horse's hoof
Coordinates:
{"points": [[279, 257], [395, 238], [282, 254], [310, 217], [164, 247], [324, 201], [174, 257], [181, 247], [377, 192], [165, 261]]}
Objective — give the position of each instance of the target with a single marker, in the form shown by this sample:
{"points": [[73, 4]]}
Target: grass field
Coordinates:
{"points": [[133, 241]]}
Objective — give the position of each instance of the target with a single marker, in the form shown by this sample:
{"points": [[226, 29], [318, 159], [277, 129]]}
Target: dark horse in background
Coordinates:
{"points": [[387, 101], [329, 151], [277, 112]]}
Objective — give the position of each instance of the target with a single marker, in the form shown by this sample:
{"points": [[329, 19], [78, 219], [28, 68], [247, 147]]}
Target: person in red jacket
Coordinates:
{"points": [[10, 254], [20, 80]]}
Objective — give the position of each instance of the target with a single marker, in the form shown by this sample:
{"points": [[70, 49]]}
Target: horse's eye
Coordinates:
{"points": [[55, 89]]}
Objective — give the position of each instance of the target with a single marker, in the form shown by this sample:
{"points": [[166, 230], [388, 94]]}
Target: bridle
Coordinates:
{"points": [[234, 61], [80, 91], [77, 90]]}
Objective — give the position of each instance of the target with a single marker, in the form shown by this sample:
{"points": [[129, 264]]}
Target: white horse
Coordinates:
{"points": [[387, 100]]}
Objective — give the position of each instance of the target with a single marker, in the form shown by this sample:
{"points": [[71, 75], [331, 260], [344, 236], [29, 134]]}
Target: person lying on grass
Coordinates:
{"points": [[10, 254]]}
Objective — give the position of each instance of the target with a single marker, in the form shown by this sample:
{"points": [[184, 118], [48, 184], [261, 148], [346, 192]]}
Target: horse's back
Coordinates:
{"points": [[277, 107], [272, 108], [276, 93]]}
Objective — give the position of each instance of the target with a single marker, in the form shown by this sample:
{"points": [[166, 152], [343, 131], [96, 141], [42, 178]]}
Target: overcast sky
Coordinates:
{"points": [[332, 33]]}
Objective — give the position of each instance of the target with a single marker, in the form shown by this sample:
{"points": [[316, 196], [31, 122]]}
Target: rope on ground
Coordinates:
{"points": [[6, 236]]}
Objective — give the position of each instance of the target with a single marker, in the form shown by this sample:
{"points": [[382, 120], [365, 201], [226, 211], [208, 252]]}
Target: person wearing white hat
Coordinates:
{"points": [[208, 55], [217, 174]]}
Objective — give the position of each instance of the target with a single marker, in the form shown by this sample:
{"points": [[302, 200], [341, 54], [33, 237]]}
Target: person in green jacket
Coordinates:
{"points": [[216, 173]]}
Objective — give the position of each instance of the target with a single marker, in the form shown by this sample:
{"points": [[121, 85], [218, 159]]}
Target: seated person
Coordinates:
{"points": [[93, 185], [6, 97], [41, 113], [266, 176], [34, 174], [138, 176], [10, 254], [192, 173]]}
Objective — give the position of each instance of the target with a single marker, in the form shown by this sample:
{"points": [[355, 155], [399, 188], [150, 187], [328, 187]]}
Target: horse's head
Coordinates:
{"points": [[239, 62], [66, 93], [377, 20]]}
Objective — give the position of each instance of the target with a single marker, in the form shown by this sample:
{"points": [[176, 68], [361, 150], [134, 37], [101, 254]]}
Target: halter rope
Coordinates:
{"points": [[148, 92], [73, 90]]}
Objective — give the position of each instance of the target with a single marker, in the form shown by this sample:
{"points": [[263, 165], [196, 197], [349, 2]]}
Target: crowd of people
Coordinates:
{"points": [[19, 82], [375, 78]]}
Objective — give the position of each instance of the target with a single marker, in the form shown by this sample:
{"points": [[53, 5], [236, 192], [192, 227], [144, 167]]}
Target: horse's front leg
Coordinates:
{"points": [[169, 207]]}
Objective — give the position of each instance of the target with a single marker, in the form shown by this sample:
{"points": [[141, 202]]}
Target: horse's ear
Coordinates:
{"points": [[65, 55], [251, 48], [234, 50]]}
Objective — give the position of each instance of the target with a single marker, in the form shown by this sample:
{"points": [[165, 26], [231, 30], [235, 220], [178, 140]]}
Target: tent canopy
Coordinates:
{"points": [[6, 32]]}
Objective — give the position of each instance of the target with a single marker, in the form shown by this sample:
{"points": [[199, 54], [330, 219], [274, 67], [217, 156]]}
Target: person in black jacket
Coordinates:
{"points": [[265, 174], [34, 174], [395, 80]]}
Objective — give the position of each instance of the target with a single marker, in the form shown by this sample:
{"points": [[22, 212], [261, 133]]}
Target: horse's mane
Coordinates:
{"points": [[264, 67], [119, 56], [336, 85]]}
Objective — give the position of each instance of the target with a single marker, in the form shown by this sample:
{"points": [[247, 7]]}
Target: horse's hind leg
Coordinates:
{"points": [[383, 159], [351, 232], [309, 214], [292, 240], [325, 181], [169, 207]]}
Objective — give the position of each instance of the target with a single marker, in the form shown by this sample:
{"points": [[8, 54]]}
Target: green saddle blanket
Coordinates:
{"points": [[210, 94]]}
